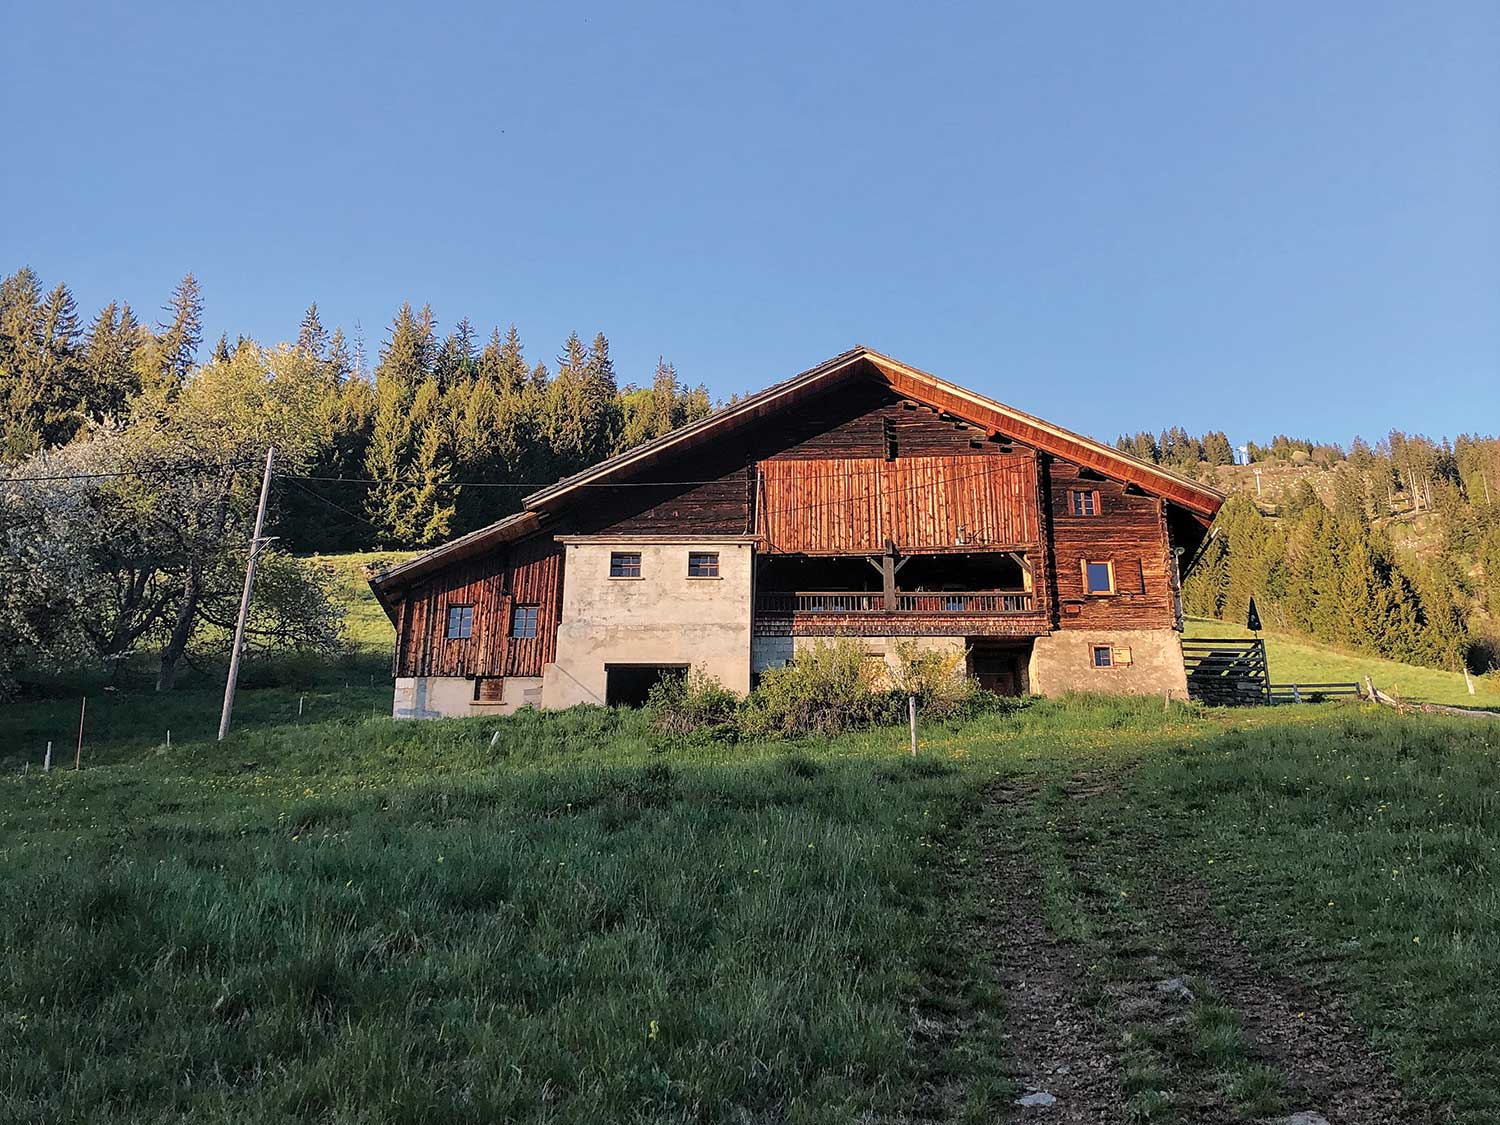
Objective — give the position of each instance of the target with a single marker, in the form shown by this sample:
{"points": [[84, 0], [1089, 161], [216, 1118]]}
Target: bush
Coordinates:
{"points": [[825, 689], [937, 677], [691, 704]]}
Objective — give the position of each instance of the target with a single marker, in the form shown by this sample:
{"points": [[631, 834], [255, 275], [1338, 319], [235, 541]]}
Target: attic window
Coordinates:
{"points": [[460, 622], [1083, 502]]}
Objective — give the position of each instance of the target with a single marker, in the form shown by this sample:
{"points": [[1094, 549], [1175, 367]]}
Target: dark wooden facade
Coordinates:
{"points": [[528, 572], [875, 464]]}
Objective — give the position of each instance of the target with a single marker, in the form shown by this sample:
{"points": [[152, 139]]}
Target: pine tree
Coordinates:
{"points": [[427, 501], [340, 363], [456, 360], [178, 338], [392, 449], [312, 337], [109, 363]]}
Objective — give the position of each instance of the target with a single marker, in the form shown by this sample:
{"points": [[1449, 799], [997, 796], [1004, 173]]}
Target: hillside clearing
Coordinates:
{"points": [[361, 920], [1297, 661]]}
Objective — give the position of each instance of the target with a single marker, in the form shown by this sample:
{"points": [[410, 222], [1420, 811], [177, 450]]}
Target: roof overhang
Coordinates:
{"points": [[388, 583]]}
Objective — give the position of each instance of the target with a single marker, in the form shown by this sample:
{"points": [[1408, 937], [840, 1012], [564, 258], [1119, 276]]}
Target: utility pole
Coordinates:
{"points": [[256, 543]]}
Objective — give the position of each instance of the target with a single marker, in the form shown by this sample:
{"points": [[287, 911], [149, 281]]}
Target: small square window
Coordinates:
{"points": [[1098, 577], [460, 622], [1084, 502], [523, 622], [624, 564], [703, 564], [1104, 656]]}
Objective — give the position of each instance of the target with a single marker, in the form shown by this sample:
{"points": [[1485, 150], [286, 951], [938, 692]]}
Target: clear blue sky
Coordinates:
{"points": [[1262, 217]]}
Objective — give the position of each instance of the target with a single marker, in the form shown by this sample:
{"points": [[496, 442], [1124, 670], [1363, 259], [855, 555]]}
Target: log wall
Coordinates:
{"points": [[1127, 530], [528, 572]]}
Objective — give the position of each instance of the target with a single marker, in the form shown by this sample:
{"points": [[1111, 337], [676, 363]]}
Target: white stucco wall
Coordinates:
{"points": [[662, 617], [452, 697]]}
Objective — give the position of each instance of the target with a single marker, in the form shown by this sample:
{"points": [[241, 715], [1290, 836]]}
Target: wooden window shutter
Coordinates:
{"points": [[489, 689]]}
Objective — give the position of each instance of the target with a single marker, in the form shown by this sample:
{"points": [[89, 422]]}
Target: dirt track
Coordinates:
{"points": [[1079, 1013]]}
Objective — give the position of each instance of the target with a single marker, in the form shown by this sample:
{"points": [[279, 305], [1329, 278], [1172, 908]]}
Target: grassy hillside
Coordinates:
{"points": [[1293, 660], [562, 918], [566, 917]]}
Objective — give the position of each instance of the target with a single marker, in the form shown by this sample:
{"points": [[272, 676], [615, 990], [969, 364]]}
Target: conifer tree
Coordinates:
{"points": [[312, 337], [399, 377], [178, 337], [110, 377]]}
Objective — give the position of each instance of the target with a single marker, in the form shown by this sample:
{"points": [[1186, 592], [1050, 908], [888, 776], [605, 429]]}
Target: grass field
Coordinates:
{"points": [[357, 920], [562, 917]]}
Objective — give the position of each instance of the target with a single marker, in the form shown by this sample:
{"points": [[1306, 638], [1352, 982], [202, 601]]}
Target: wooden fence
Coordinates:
{"points": [[1226, 672], [1313, 693]]}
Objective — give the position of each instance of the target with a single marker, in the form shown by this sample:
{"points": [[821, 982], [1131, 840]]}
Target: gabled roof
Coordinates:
{"points": [[921, 386], [1193, 497]]}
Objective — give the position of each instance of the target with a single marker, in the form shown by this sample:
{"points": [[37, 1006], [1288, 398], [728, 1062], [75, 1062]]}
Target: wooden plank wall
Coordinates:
{"points": [[853, 504], [719, 505], [1129, 530], [528, 572], [854, 422]]}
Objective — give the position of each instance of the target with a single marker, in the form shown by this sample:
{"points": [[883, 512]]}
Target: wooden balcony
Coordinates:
{"points": [[873, 601], [912, 612]]}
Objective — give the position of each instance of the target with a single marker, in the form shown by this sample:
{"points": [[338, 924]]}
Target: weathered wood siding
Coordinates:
{"points": [[862, 420], [852, 504], [713, 491], [1128, 530], [528, 572], [715, 501]]}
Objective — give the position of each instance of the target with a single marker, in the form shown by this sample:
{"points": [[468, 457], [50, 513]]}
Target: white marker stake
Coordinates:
{"points": [[47, 761]]}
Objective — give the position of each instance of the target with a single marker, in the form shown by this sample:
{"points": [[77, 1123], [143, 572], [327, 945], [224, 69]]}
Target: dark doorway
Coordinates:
{"points": [[1000, 667], [627, 685]]}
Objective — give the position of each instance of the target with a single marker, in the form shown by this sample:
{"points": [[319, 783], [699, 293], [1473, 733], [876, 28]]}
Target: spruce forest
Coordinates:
{"points": [[130, 456]]}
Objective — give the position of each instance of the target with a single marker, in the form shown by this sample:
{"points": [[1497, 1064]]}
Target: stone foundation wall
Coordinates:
{"points": [[1145, 662], [452, 697]]}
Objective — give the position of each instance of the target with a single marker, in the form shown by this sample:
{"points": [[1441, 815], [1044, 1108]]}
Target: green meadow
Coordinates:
{"points": [[564, 918], [570, 918]]}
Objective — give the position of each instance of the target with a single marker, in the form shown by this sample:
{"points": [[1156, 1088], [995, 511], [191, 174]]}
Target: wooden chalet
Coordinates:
{"points": [[863, 498]]}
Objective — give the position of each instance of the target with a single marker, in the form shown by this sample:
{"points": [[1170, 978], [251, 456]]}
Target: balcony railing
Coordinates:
{"points": [[873, 601]]}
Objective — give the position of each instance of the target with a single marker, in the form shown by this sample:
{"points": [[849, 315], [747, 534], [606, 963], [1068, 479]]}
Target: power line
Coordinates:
{"points": [[296, 478], [166, 470]]}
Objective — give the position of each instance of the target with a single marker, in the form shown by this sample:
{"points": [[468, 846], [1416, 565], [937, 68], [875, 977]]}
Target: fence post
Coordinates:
{"points": [[1296, 694], [911, 711], [47, 761], [78, 755]]}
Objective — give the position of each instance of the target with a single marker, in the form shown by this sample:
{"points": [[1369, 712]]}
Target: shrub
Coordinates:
{"points": [[697, 702], [825, 689], [938, 678]]}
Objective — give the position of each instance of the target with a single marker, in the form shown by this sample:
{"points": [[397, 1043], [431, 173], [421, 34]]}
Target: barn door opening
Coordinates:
{"points": [[1000, 666], [627, 685]]}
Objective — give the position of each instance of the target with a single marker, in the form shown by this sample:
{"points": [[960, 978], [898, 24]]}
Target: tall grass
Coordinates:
{"points": [[560, 917]]}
